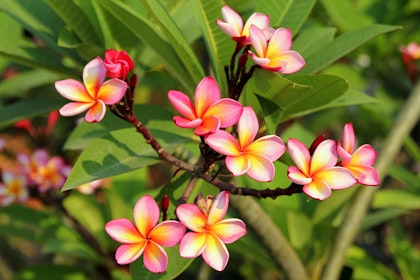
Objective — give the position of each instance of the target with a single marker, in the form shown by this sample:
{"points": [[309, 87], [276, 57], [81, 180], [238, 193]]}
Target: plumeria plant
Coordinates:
{"points": [[186, 140]]}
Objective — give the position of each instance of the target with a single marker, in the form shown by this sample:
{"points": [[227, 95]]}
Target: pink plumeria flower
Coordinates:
{"points": [[145, 237], [318, 175], [234, 27], [411, 51], [209, 113], [245, 155], [93, 94], [209, 232], [13, 188], [118, 64], [44, 171], [275, 54], [360, 161]]}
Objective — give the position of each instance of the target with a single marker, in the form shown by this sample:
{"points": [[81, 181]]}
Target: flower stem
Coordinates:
{"points": [[405, 122], [281, 250]]}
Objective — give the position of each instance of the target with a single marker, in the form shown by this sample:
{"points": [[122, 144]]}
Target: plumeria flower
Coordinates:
{"points": [[44, 171], [209, 113], [245, 155], [360, 161], [93, 94], [318, 175], [234, 27], [275, 54], [118, 64], [13, 188], [411, 51], [209, 232], [145, 237]]}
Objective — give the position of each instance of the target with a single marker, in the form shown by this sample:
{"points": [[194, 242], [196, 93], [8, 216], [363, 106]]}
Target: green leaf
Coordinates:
{"points": [[344, 12], [51, 271], [311, 40], [396, 199], [27, 108], [219, 46], [176, 265], [342, 45], [286, 13], [172, 33], [118, 152], [144, 29], [405, 176], [381, 216]]}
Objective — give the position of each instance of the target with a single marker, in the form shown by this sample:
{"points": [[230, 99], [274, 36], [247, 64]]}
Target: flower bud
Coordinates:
{"points": [[118, 64]]}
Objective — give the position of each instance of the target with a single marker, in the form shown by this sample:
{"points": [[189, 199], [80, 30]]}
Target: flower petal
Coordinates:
{"points": [[167, 233], [73, 90], [191, 216], [365, 175], [112, 91], [238, 165], [215, 253], [349, 138], [229, 230], [223, 143], [182, 104], [259, 41], [155, 258], [146, 214], [234, 19], [324, 157], [230, 29], [226, 110], [297, 177], [74, 108], [262, 61], [96, 113], [259, 20], [209, 124], [317, 189], [300, 155], [192, 244], [186, 123], [128, 253], [218, 208], [206, 94], [337, 177], [364, 155], [280, 42], [93, 76], [269, 146], [261, 168], [290, 62], [247, 127], [122, 230]]}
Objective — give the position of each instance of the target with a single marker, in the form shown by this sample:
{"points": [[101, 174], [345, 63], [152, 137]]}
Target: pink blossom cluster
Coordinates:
{"points": [[199, 231], [95, 93], [271, 46]]}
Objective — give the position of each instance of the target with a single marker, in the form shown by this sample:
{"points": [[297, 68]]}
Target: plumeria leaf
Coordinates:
{"points": [[379, 217], [311, 40], [147, 31], [289, 13], [152, 116], [50, 271], [176, 265], [219, 46], [28, 108], [342, 45], [174, 35], [118, 152], [402, 199]]}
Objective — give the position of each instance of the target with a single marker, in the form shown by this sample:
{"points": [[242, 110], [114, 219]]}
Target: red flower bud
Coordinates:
{"points": [[164, 205], [118, 64], [316, 142]]}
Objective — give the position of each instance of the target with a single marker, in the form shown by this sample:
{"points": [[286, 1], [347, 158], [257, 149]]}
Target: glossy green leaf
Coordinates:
{"points": [[173, 34], [118, 152], [286, 13], [144, 29], [396, 199], [311, 40], [176, 265], [219, 46], [28, 108], [342, 45]]}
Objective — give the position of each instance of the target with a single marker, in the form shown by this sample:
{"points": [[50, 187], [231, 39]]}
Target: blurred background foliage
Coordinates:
{"points": [[44, 41]]}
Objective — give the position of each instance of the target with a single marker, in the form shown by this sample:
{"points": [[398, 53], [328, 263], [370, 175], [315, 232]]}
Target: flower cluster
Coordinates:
{"points": [[207, 233], [321, 172], [272, 46], [95, 93]]}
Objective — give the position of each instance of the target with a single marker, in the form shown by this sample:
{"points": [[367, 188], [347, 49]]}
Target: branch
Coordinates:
{"points": [[405, 122]]}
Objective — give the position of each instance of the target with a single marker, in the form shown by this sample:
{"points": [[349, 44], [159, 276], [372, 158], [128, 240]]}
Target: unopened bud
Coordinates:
{"points": [[316, 142], [164, 205]]}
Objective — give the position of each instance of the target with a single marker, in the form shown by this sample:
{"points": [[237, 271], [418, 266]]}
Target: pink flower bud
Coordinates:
{"points": [[118, 64]]}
